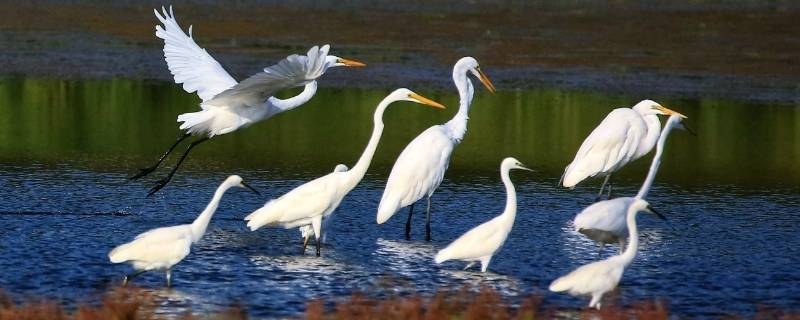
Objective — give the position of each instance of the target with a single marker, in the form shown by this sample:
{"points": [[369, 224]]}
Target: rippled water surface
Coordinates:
{"points": [[66, 149]]}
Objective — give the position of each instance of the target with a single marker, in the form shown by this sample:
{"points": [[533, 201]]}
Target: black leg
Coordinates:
{"points": [[305, 244], [609, 186], [129, 278], [603, 186], [163, 182], [428, 222], [408, 222], [319, 245], [146, 171]]}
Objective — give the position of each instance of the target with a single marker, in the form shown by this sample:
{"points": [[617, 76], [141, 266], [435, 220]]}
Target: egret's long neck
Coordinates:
{"points": [[651, 175], [511, 197], [201, 222], [633, 236], [458, 125], [653, 130], [296, 101], [355, 174]]}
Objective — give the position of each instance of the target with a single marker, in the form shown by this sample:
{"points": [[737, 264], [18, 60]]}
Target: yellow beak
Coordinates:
{"points": [[486, 82], [426, 101], [352, 63], [670, 112]]}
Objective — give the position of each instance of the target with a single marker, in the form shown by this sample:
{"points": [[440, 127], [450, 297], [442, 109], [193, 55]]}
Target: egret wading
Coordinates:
{"points": [[309, 203], [604, 221], [597, 278], [162, 248], [226, 105], [482, 242], [420, 168], [626, 134]]}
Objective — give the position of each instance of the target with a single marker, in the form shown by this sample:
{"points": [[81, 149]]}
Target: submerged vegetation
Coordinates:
{"points": [[486, 303]]}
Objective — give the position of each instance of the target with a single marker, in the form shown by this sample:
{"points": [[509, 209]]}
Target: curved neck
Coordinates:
{"points": [[200, 224], [651, 175], [511, 196], [458, 125], [633, 236], [356, 173], [653, 128], [296, 101]]}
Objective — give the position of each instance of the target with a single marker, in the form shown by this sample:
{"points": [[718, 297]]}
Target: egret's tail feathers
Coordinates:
{"points": [[386, 209], [196, 122], [261, 217], [119, 254], [442, 256], [559, 285]]}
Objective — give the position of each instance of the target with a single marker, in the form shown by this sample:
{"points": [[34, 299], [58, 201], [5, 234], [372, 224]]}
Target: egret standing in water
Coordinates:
{"points": [[483, 241], [309, 203], [228, 106], [420, 168], [599, 277], [162, 248], [625, 135], [604, 221]]}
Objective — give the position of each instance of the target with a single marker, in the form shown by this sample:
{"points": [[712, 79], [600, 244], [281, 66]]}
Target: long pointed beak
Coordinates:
{"points": [[656, 213], [352, 63], [670, 112], [486, 82], [426, 101], [525, 168], [251, 188]]}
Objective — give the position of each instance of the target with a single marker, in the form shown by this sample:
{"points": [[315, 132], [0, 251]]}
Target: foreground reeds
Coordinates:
{"points": [[464, 304]]}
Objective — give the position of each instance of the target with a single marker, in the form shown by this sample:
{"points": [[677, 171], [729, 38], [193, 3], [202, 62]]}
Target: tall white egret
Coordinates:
{"points": [[625, 135], [599, 277], [162, 248], [482, 242], [309, 203], [420, 168], [227, 105], [604, 221]]}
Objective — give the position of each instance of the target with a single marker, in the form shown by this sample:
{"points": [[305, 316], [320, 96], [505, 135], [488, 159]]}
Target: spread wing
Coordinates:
{"points": [[191, 65], [295, 70]]}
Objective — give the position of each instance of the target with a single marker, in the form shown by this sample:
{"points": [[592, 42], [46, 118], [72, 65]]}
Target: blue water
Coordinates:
{"points": [[723, 249]]}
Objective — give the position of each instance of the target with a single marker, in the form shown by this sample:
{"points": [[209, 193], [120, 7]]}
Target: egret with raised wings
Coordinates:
{"points": [[482, 242], [598, 278], [420, 168], [228, 105], [625, 135], [604, 221], [162, 248], [309, 203]]}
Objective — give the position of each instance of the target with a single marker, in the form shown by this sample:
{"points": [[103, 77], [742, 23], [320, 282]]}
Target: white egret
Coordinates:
{"points": [[604, 221], [227, 105], [482, 242], [309, 203], [162, 248], [625, 135], [420, 168], [599, 277]]}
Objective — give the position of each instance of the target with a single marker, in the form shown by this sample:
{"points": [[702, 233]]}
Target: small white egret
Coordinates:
{"points": [[604, 221], [625, 135], [420, 168], [309, 203], [162, 248], [227, 105], [599, 277], [481, 243]]}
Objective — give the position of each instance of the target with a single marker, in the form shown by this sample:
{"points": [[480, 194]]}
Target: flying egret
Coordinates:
{"points": [[309, 203], [420, 168], [162, 248], [604, 221], [227, 105], [625, 135], [483, 241], [599, 277]]}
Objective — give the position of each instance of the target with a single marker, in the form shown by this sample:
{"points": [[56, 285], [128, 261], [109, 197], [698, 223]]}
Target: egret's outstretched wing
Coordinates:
{"points": [[295, 70], [191, 65]]}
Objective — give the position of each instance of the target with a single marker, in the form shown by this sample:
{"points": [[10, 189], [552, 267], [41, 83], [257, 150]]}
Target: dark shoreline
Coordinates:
{"points": [[745, 52]]}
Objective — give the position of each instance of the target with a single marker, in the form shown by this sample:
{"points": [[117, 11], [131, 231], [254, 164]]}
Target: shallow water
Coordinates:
{"points": [[66, 148]]}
